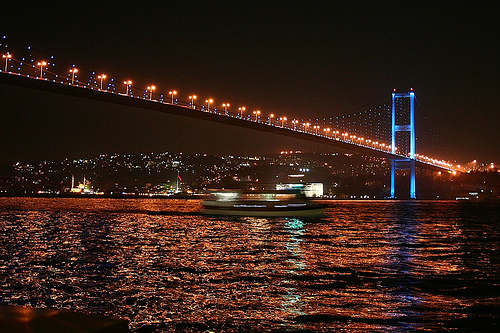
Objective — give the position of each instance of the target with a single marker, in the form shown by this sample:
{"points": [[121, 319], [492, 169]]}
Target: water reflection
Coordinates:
{"points": [[402, 236], [292, 304], [378, 266]]}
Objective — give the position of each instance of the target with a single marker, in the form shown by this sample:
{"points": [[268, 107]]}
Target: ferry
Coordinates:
{"points": [[272, 203]]}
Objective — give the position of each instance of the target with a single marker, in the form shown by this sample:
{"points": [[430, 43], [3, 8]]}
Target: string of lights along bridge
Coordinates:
{"points": [[386, 129]]}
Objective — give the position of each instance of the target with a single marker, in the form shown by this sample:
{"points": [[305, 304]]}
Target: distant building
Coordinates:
{"points": [[82, 188]]}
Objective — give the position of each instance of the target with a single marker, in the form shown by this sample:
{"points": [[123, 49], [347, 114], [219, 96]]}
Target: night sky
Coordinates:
{"points": [[300, 59]]}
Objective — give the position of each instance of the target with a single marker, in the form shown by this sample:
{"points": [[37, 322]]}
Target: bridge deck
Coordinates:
{"points": [[115, 98]]}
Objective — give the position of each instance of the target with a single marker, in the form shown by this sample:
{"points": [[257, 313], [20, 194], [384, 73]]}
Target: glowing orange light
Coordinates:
{"points": [[6, 57], [41, 64]]}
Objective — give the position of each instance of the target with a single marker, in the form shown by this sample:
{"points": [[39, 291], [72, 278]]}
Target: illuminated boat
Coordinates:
{"points": [[276, 203]]}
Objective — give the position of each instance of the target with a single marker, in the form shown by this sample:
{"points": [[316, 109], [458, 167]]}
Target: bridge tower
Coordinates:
{"points": [[403, 138]]}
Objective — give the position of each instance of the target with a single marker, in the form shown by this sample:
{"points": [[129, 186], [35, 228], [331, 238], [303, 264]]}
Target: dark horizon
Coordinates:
{"points": [[287, 58]]}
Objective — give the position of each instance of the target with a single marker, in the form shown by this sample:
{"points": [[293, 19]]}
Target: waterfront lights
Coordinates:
{"points": [[225, 106], [172, 93], [101, 77], [41, 64], [127, 84], [257, 114], [241, 110], [73, 71], [192, 98], [208, 101], [6, 57], [151, 89]]}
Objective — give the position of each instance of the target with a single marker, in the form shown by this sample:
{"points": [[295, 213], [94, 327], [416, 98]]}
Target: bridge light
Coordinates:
{"points": [[271, 116], [172, 93], [192, 98], [225, 106], [101, 77], [151, 89], [256, 113], [241, 110], [6, 57], [41, 64], [208, 101], [283, 119], [127, 85], [73, 71]]}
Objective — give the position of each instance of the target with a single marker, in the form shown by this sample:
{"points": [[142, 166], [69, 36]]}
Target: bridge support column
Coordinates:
{"points": [[393, 179], [404, 122], [413, 187], [403, 164]]}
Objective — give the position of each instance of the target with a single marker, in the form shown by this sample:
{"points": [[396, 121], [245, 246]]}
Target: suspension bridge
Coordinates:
{"points": [[386, 131]]}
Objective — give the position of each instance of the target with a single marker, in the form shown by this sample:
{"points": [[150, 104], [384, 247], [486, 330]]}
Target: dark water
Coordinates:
{"points": [[365, 266]]}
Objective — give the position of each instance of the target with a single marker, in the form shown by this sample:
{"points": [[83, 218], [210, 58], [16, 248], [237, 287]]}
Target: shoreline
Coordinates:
{"points": [[204, 196]]}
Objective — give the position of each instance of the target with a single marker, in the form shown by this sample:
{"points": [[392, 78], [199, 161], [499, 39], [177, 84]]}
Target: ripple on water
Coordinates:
{"points": [[379, 266]]}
